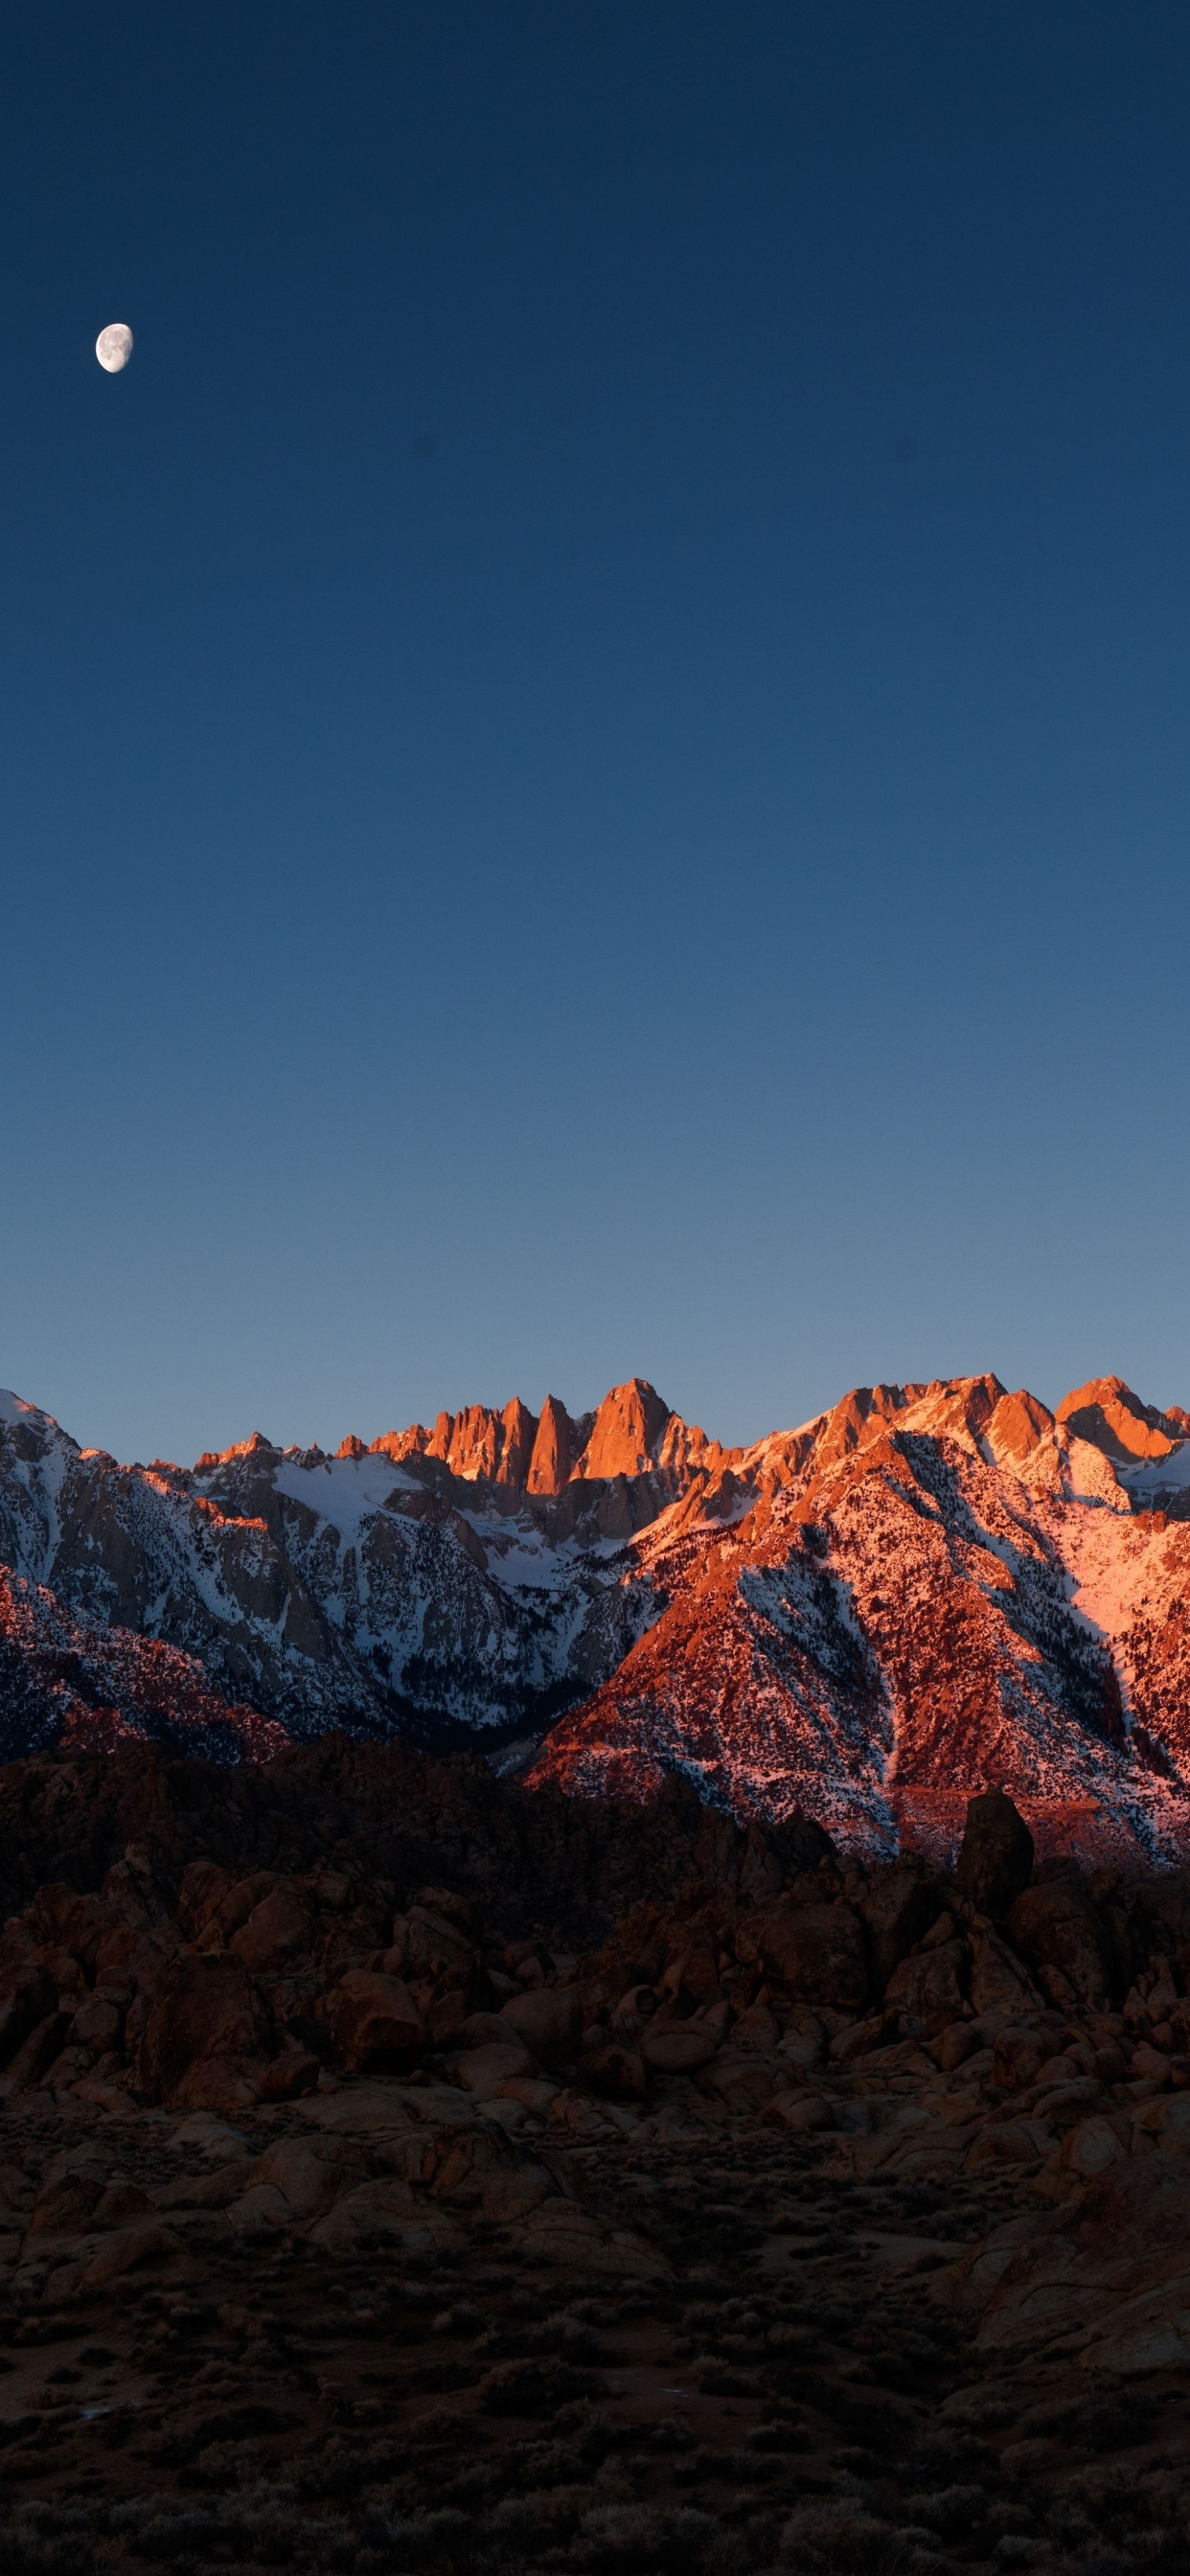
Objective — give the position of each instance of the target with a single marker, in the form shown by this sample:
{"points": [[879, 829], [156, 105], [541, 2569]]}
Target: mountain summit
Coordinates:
{"points": [[926, 1591]]}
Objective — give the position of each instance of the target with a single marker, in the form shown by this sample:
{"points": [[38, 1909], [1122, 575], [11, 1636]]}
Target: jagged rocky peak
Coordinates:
{"points": [[632, 1433], [519, 1428], [627, 1432], [557, 1447], [964, 1408], [28, 1431], [256, 1449], [1016, 1426], [1112, 1418], [859, 1416], [476, 1443]]}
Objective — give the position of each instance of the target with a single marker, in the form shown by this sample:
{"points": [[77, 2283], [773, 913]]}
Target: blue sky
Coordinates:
{"points": [[595, 732]]}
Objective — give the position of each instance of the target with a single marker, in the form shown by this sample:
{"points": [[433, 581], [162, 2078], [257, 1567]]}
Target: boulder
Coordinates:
{"points": [[898, 1909], [819, 1952], [677, 2048], [509, 2197], [798, 2111], [693, 1973], [1007, 2142], [616, 2070], [205, 2008], [465, 2159], [447, 2008], [995, 1864], [741, 2080], [277, 1932], [35, 2054], [1017, 2056], [219, 2084], [1090, 2148], [805, 2042], [292, 2182], [560, 2232], [548, 2020], [124, 2251], [225, 1910], [28, 1999], [999, 1981], [291, 2076], [1167, 2120], [534, 2093], [449, 1906], [954, 2044], [96, 2025], [374, 2021], [122, 2204], [1104, 2274], [1057, 1930], [926, 1992], [756, 2028], [762, 1871], [431, 1941], [64, 2206], [481, 2030], [388, 2212], [483, 2070]]}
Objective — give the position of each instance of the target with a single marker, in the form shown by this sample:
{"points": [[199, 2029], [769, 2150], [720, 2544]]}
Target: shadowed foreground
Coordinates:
{"points": [[368, 2216]]}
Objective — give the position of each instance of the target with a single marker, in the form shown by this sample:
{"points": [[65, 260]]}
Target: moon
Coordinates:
{"points": [[113, 348]]}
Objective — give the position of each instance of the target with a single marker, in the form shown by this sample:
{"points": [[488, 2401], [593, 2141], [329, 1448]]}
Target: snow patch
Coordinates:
{"points": [[347, 1492], [1159, 1475]]}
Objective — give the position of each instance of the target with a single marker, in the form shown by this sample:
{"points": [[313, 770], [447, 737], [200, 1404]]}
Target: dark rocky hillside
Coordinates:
{"points": [[403, 2170]]}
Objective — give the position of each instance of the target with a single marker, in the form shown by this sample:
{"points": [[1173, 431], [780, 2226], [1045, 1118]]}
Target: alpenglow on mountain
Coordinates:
{"points": [[926, 1591]]}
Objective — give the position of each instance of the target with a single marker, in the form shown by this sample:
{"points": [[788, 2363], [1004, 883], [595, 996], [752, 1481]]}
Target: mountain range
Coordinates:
{"points": [[927, 1590]]}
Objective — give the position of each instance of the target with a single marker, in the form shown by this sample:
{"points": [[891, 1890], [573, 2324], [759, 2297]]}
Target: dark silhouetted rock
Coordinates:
{"points": [[927, 1992], [205, 2011], [995, 1864], [1058, 1931], [549, 2021], [616, 2070], [30, 1997], [374, 2020], [678, 2048], [898, 1909], [819, 1952], [276, 1931]]}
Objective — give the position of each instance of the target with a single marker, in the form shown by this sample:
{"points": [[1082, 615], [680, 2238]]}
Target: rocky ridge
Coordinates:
{"points": [[948, 1589], [924, 1591]]}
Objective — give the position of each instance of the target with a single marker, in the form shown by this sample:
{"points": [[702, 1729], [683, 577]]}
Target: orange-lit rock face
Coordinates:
{"points": [[1016, 1425], [477, 1442], [1107, 1413], [555, 1449], [627, 1432], [519, 1428]]}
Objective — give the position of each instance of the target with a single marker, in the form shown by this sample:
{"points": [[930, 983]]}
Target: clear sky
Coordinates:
{"points": [[594, 734]]}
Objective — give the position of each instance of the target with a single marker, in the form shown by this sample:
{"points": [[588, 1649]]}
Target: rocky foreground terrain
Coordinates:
{"points": [[402, 2169]]}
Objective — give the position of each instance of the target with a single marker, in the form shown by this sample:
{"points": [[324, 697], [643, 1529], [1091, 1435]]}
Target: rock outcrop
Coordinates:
{"points": [[995, 1863]]}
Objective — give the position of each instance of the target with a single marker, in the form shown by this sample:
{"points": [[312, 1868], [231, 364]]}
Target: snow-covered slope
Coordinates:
{"points": [[925, 1590]]}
